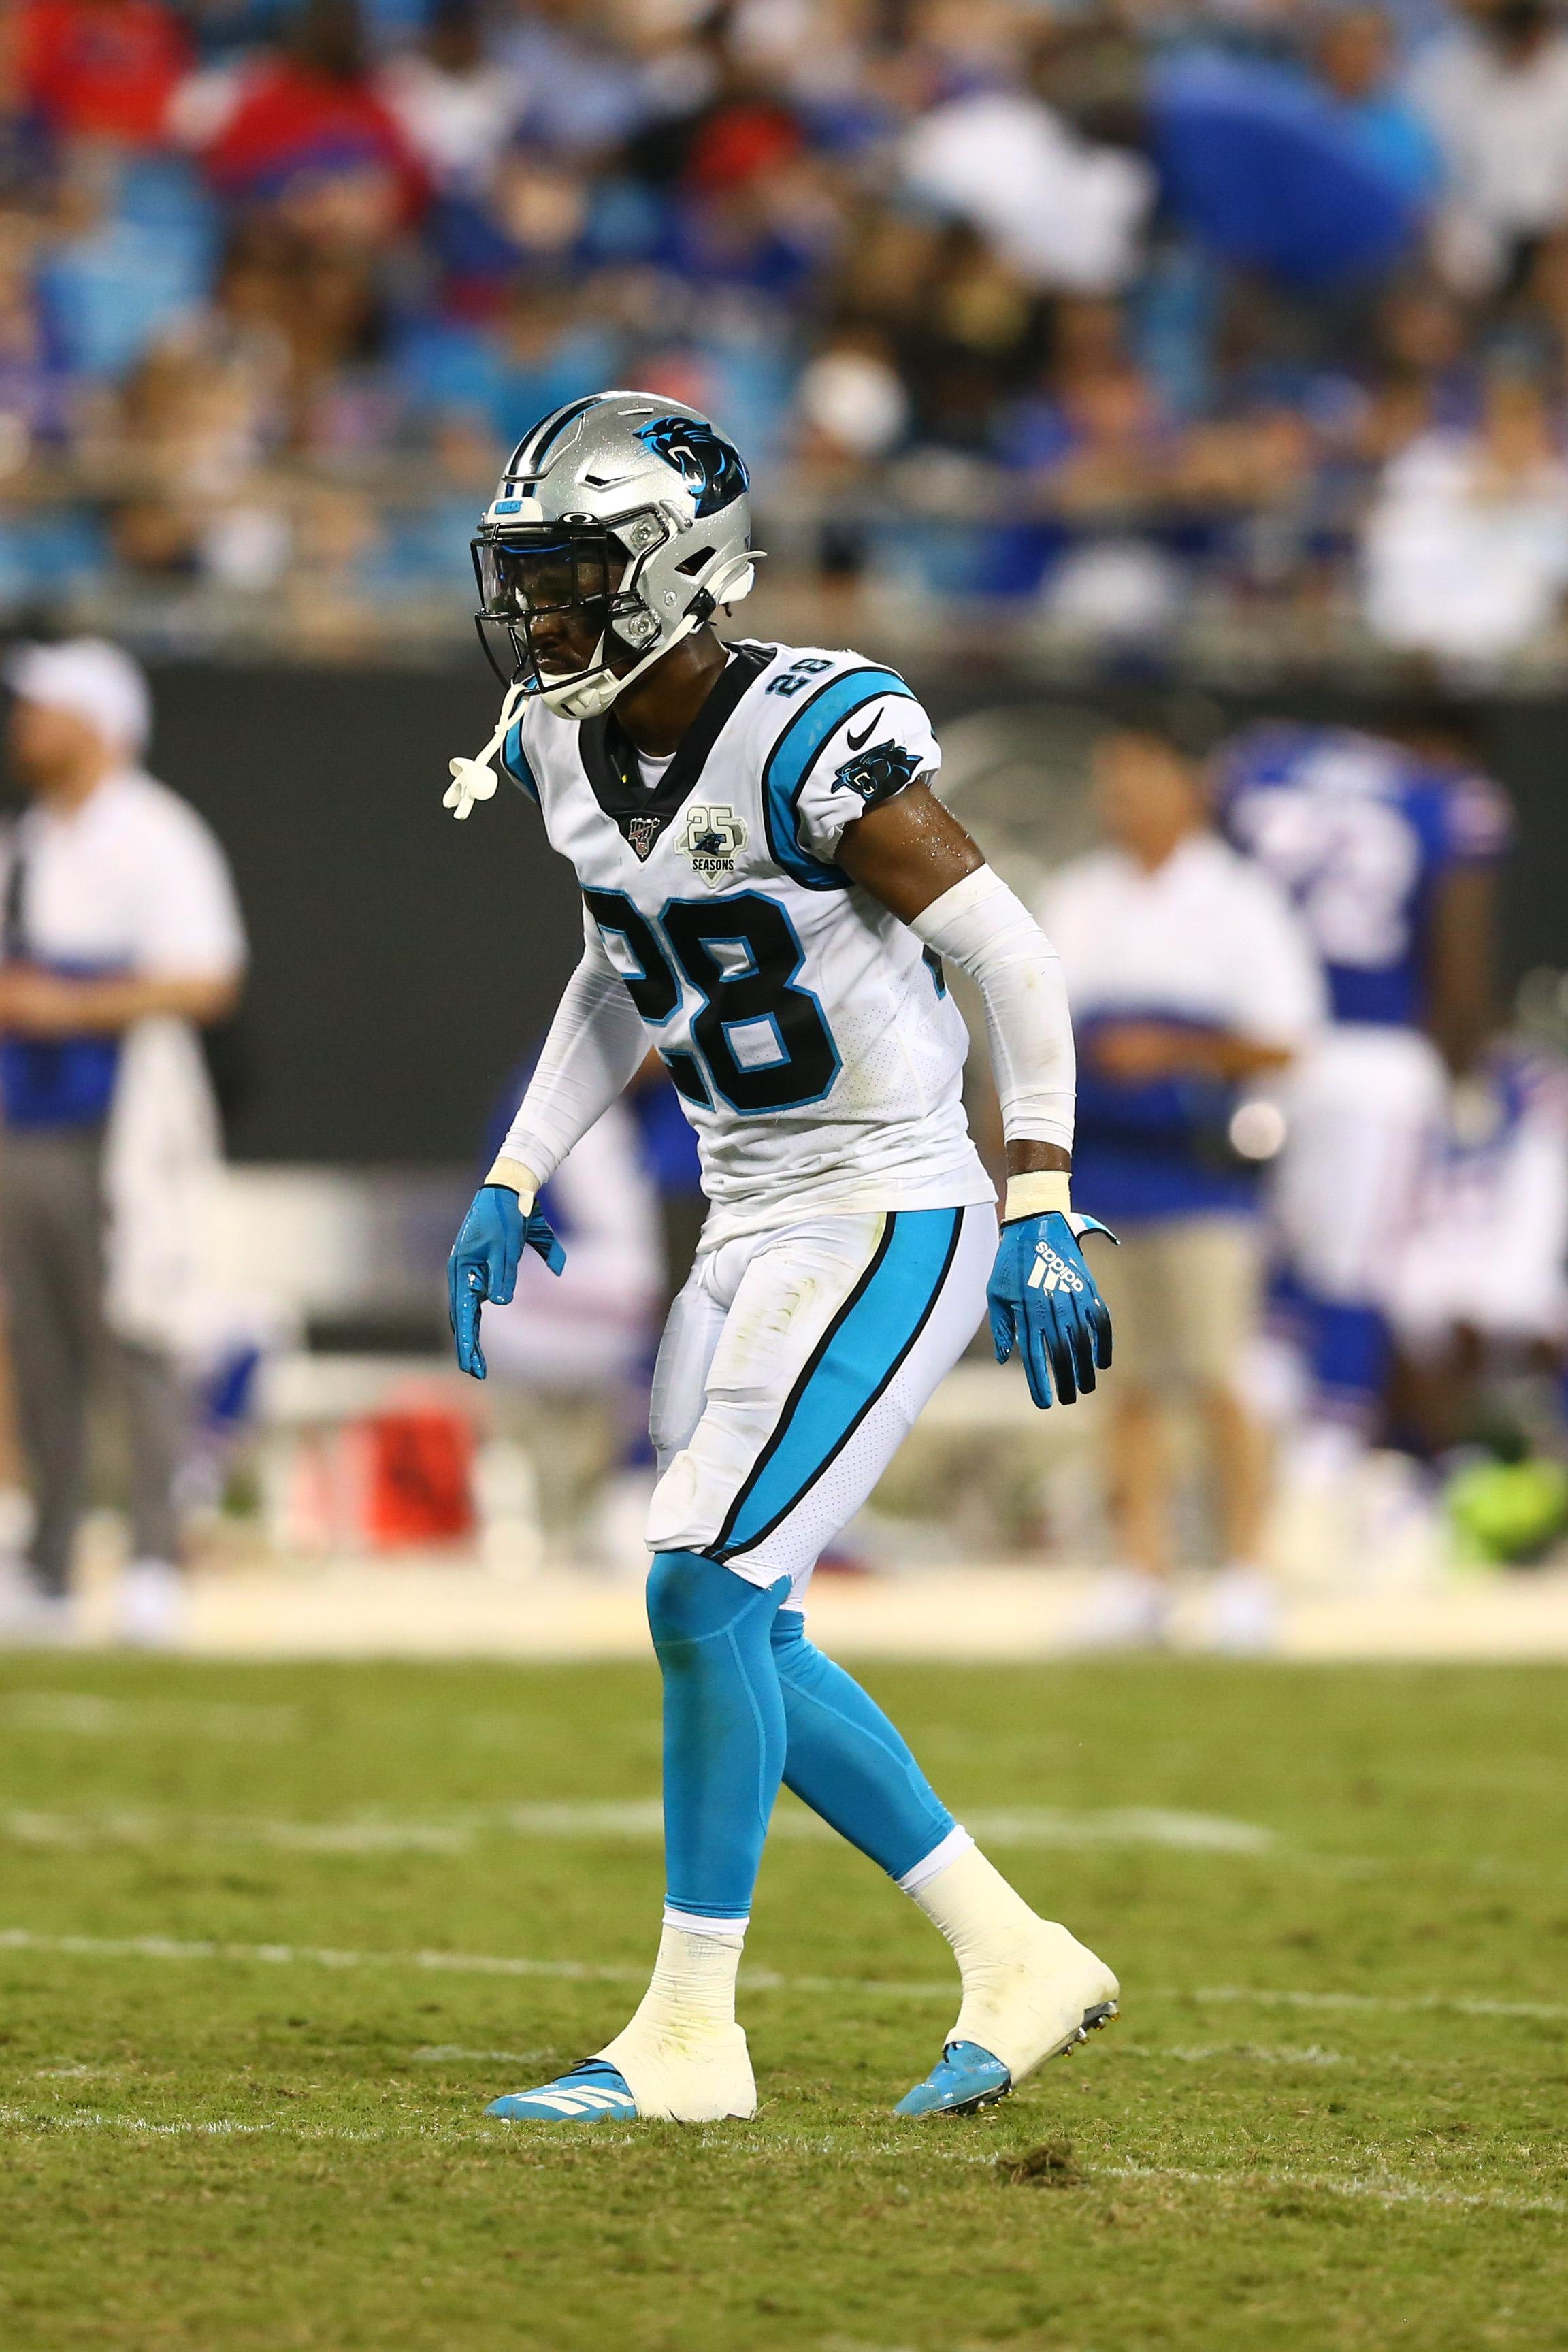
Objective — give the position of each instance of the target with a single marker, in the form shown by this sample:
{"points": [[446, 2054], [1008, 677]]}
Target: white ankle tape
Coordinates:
{"points": [[957, 1841], [972, 1905], [702, 1922], [683, 2055], [1027, 1982]]}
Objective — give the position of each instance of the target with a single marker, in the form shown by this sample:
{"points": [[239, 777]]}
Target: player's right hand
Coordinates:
{"points": [[484, 1262]]}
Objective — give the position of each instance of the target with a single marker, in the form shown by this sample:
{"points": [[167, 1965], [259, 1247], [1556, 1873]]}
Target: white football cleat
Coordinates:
{"points": [[1033, 2002], [1028, 2003]]}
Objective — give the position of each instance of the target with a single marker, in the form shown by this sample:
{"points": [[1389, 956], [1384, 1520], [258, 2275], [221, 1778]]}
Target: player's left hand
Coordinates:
{"points": [[484, 1262], [1043, 1302]]}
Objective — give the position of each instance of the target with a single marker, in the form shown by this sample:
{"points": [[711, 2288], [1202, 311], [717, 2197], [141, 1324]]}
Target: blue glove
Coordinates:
{"points": [[1043, 1302], [484, 1262]]}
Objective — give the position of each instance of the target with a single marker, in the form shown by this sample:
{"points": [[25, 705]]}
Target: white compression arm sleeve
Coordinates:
{"points": [[988, 932], [595, 1042]]}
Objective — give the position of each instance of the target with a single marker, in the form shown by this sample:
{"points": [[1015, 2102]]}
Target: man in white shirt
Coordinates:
{"points": [[117, 911], [1494, 90], [1192, 984]]}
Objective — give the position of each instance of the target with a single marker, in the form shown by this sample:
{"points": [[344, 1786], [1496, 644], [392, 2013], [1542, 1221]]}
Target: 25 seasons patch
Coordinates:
{"points": [[713, 838]]}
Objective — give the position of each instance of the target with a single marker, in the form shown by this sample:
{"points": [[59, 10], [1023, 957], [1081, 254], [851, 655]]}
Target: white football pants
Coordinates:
{"points": [[793, 1366], [1365, 1106]]}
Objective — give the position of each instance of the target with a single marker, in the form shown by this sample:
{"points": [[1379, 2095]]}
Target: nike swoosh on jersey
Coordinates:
{"points": [[855, 742]]}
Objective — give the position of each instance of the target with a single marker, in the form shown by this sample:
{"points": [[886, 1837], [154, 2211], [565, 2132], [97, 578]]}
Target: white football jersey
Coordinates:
{"points": [[816, 1049]]}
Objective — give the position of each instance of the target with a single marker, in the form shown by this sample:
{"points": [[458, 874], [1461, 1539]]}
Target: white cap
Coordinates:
{"points": [[93, 681]]}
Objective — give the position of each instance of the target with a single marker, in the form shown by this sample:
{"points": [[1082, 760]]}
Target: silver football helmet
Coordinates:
{"points": [[620, 526]]}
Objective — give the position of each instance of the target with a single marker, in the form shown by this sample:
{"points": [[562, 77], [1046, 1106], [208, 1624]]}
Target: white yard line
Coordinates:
{"points": [[84, 1714], [1385, 2004], [451, 2053], [164, 1948], [140, 1828], [1043, 1828], [1380, 2189], [1250, 2053]]}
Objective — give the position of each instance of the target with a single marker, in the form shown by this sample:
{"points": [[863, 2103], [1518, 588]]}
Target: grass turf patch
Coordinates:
{"points": [[272, 1936]]}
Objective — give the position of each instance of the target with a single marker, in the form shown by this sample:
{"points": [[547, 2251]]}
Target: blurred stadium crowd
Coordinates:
{"points": [[1137, 314]]}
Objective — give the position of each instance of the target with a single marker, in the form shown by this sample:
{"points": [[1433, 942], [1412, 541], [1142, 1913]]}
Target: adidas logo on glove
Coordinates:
{"points": [[1051, 1271]]}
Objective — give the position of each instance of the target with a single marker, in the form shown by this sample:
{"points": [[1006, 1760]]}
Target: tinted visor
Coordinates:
{"points": [[548, 594], [547, 572]]}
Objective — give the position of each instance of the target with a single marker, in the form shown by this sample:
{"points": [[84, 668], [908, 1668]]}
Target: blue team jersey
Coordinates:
{"points": [[1360, 832]]}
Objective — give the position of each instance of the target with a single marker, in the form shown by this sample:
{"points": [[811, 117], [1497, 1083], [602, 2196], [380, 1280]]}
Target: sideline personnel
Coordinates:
{"points": [[1191, 979], [118, 912]]}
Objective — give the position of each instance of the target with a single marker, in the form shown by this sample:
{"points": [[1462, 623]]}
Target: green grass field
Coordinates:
{"points": [[270, 1937]]}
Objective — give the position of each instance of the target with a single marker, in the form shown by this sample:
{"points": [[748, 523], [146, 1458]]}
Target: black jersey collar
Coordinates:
{"points": [[610, 761]]}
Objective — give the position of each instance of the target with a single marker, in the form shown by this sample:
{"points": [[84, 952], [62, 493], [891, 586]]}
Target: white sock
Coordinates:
{"points": [[1027, 1982], [977, 1911], [683, 2055], [702, 1922]]}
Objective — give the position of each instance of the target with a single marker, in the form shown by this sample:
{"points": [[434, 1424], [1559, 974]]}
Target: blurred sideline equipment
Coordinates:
{"points": [[121, 933], [719, 805], [1389, 854], [1193, 986]]}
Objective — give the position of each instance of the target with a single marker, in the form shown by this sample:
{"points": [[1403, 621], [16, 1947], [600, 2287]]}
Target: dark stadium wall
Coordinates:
{"points": [[403, 964]]}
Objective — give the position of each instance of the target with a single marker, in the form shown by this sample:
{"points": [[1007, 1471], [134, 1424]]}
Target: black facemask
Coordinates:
{"points": [[545, 585]]}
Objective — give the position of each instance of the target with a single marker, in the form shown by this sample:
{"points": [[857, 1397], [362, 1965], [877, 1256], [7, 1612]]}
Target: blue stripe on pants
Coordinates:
{"points": [[851, 1367]]}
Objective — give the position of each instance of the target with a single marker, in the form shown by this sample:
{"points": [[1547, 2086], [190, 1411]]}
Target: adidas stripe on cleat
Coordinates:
{"points": [[590, 2092]]}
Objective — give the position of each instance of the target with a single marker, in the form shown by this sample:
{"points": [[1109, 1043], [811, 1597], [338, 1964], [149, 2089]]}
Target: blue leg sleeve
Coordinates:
{"points": [[724, 1728], [846, 1760]]}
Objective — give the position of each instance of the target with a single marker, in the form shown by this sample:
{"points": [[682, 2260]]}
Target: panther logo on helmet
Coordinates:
{"points": [[710, 468]]}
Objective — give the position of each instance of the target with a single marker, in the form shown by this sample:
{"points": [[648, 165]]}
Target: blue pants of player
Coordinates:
{"points": [[793, 1364]]}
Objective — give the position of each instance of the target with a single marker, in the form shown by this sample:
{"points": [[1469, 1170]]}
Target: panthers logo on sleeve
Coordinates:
{"points": [[711, 469], [877, 774]]}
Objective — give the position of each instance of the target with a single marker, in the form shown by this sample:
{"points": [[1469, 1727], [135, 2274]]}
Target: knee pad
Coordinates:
{"points": [[690, 1597]]}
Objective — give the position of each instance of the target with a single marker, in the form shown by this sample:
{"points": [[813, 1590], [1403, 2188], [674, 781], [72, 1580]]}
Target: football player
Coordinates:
{"points": [[1390, 852], [769, 891]]}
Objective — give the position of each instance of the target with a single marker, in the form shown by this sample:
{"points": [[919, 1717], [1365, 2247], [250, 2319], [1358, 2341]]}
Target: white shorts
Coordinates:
{"points": [[794, 1365], [1365, 1106]]}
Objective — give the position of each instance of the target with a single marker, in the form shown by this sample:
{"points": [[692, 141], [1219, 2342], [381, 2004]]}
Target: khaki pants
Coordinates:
{"points": [[1184, 1294], [51, 1262]]}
